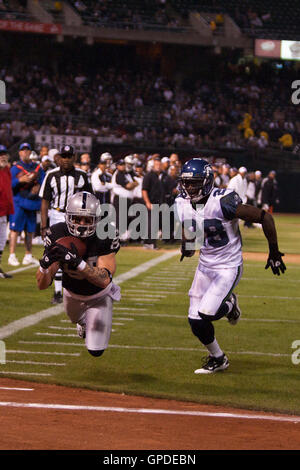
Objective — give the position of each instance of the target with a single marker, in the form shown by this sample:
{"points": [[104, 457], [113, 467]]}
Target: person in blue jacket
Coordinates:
{"points": [[26, 182]]}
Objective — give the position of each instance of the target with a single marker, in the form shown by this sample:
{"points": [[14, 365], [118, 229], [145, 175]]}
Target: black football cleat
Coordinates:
{"points": [[4, 275], [213, 364], [235, 314], [57, 298]]}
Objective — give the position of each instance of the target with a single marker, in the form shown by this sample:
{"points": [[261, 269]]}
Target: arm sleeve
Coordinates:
{"points": [[229, 205]]}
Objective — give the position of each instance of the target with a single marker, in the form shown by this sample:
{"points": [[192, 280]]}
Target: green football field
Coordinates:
{"points": [[152, 351]]}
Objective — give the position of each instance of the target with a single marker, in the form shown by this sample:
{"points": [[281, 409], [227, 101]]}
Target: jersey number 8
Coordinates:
{"points": [[215, 233]]}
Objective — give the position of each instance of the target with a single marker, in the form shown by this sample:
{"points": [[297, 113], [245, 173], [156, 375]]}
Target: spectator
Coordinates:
{"points": [[101, 181], [43, 151], [47, 163], [123, 185], [250, 195], [269, 192], [286, 141], [233, 172], [85, 165], [165, 163], [224, 175], [239, 183], [258, 189], [26, 181], [6, 203], [54, 154], [139, 177], [153, 193]]}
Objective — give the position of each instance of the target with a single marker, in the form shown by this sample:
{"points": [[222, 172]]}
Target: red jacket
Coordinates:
{"points": [[6, 195]]}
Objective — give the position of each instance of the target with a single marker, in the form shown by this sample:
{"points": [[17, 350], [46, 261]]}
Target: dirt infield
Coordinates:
{"points": [[48, 417], [255, 256]]}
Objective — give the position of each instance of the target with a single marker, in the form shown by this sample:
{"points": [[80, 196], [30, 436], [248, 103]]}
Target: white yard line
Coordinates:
{"points": [[34, 363], [142, 291], [160, 348], [269, 297], [116, 308], [68, 328], [45, 353], [123, 319], [35, 318], [39, 374], [114, 409], [275, 279], [144, 267]]}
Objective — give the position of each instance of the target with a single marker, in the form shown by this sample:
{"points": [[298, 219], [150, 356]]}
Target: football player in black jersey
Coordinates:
{"points": [[88, 290]]}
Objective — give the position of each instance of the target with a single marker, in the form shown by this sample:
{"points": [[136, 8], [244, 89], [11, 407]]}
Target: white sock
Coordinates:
{"points": [[214, 349], [58, 286]]}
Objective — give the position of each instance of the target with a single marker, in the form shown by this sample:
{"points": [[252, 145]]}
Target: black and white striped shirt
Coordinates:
{"points": [[58, 186]]}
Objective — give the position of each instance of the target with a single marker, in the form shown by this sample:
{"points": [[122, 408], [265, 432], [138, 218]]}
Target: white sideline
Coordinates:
{"points": [[18, 270], [18, 389], [35, 318], [114, 409]]}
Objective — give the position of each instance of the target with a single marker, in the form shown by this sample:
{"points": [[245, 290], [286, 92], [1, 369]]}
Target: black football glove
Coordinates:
{"points": [[49, 257], [275, 261], [68, 256], [186, 253]]}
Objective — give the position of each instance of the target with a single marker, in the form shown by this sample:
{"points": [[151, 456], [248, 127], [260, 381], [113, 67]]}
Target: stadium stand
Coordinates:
{"points": [[123, 105], [263, 19], [14, 10], [133, 14]]}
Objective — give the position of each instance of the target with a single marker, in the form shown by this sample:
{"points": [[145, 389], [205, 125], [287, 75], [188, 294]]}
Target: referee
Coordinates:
{"points": [[58, 186]]}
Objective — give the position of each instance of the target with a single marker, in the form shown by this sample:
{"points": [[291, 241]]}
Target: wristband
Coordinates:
{"points": [[43, 270], [81, 266]]}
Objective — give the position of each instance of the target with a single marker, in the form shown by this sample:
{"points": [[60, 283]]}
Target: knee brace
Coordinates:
{"points": [[203, 329], [95, 352]]}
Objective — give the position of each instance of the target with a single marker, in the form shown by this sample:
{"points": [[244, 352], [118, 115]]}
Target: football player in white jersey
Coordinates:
{"points": [[214, 213]]}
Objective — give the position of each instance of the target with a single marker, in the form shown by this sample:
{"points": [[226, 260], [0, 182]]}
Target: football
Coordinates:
{"points": [[67, 241]]}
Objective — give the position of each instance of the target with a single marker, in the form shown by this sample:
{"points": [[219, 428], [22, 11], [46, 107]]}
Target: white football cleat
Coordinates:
{"points": [[13, 260], [29, 259]]}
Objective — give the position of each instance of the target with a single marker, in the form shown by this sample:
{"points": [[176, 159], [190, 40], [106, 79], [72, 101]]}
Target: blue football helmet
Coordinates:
{"points": [[196, 179]]}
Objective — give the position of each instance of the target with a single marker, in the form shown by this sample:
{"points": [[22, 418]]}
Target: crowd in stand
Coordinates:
{"points": [[129, 106], [129, 15], [138, 178]]}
